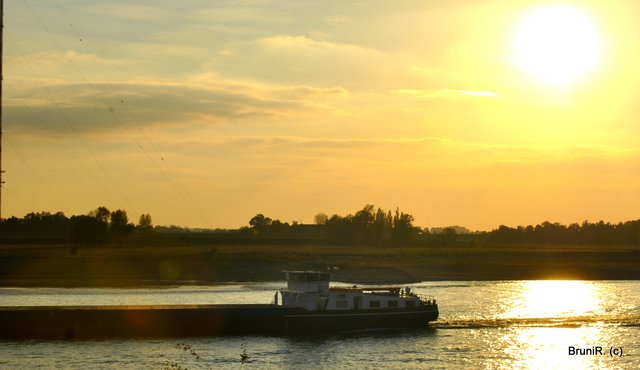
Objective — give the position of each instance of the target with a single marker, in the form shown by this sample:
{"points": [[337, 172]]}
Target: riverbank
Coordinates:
{"points": [[131, 266]]}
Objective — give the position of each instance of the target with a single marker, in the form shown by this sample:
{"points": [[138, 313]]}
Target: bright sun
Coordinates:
{"points": [[556, 44]]}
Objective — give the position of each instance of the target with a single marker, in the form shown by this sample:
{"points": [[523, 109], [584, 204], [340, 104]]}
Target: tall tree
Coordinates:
{"points": [[101, 213], [145, 225], [403, 229], [88, 230], [320, 219], [259, 221], [120, 225]]}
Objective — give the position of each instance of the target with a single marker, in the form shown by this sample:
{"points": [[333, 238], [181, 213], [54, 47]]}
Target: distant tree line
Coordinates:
{"points": [[370, 226], [96, 227], [555, 233], [377, 227]]}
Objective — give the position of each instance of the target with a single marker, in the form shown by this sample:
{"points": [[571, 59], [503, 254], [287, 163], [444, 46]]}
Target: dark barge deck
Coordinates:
{"points": [[89, 322], [70, 322]]}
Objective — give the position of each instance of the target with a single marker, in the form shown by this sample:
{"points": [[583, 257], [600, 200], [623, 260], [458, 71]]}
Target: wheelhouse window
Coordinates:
{"points": [[392, 304], [374, 304]]}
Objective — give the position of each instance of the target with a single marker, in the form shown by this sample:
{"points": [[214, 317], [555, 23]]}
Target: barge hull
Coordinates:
{"points": [[137, 321], [335, 321], [92, 322]]}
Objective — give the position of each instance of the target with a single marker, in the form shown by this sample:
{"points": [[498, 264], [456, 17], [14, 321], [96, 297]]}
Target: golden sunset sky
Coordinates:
{"points": [[204, 113]]}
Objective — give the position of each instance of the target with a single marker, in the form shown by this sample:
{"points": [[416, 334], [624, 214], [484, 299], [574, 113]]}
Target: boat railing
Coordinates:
{"points": [[427, 299]]}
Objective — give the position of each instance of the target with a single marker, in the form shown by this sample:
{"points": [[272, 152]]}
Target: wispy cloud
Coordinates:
{"points": [[105, 106], [132, 11], [335, 20], [431, 150], [243, 14], [445, 93], [303, 60]]}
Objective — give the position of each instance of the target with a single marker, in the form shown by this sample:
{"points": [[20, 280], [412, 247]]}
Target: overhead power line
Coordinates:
{"points": [[169, 175], [171, 178]]}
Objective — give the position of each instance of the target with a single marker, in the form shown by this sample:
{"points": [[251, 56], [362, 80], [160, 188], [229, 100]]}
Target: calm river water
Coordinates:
{"points": [[499, 324]]}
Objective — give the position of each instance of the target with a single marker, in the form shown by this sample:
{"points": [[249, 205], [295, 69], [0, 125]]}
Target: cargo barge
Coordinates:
{"points": [[307, 306]]}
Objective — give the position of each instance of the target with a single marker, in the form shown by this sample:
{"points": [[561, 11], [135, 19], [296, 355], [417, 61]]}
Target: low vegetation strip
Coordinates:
{"points": [[102, 248], [152, 265]]}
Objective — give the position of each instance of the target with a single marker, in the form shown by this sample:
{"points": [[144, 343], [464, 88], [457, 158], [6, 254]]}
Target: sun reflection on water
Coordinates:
{"points": [[555, 298], [547, 348]]}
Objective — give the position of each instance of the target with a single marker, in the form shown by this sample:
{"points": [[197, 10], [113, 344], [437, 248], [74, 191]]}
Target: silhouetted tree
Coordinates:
{"points": [[555, 233], [382, 227], [259, 221], [278, 226], [120, 226], [145, 225], [372, 228], [42, 222], [403, 229], [320, 219], [361, 225], [338, 228], [88, 230], [101, 213]]}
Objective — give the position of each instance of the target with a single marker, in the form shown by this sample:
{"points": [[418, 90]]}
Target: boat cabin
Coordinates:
{"points": [[310, 290]]}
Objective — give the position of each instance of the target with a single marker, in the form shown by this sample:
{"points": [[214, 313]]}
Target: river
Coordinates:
{"points": [[495, 324]]}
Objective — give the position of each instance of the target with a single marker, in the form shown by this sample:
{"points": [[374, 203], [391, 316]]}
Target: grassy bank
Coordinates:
{"points": [[60, 266]]}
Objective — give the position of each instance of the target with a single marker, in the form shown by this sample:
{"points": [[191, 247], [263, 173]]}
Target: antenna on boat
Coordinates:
{"points": [[1, 82]]}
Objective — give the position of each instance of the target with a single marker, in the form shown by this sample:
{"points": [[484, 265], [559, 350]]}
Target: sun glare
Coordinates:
{"points": [[555, 298], [556, 44]]}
